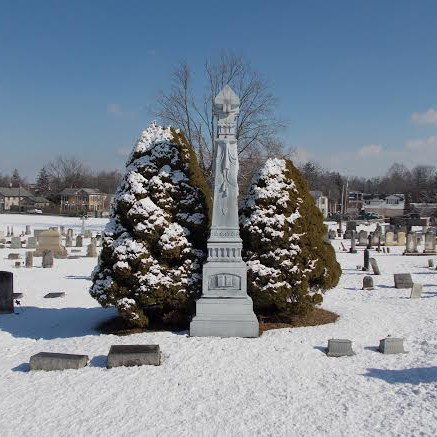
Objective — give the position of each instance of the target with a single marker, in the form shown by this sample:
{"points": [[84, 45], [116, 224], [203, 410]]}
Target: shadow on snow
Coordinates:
{"points": [[416, 375], [50, 323]]}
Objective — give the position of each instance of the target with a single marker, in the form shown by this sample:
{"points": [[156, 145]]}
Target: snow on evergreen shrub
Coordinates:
{"points": [[150, 267], [289, 263]]}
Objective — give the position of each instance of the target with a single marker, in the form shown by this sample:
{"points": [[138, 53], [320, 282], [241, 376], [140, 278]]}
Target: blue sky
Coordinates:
{"points": [[356, 80]]}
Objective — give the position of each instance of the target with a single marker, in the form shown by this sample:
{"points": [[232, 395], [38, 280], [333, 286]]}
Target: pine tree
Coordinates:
{"points": [[43, 182], [289, 263], [155, 243], [16, 179]]}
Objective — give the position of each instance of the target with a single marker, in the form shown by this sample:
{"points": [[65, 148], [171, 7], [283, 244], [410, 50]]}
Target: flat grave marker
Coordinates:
{"points": [[403, 280], [56, 361], [134, 355]]}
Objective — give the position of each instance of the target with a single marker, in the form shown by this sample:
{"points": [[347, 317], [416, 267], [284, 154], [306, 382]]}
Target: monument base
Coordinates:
{"points": [[224, 317]]}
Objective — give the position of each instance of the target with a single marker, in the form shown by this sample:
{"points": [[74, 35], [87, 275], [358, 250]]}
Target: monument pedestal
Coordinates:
{"points": [[224, 317]]}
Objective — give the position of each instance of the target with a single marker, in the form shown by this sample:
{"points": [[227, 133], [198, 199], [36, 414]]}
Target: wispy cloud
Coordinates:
{"points": [[370, 151], [423, 145], [427, 117]]}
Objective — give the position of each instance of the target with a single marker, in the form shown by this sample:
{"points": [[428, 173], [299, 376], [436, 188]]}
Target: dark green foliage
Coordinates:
{"points": [[155, 244], [289, 263]]}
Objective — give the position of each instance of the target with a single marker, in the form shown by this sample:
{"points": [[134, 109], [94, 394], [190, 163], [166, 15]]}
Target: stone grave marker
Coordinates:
{"points": [[55, 361], [28, 230], [401, 239], [431, 263], [134, 355], [70, 233], [91, 249], [17, 264], [331, 235], [79, 241], [375, 238], [390, 239], [62, 230], [13, 256], [383, 250], [366, 260], [353, 247], [29, 260], [403, 280], [411, 243], [367, 283], [430, 242], [375, 266], [47, 259], [37, 233], [31, 243], [18, 295], [6, 292], [362, 238], [339, 348], [16, 243], [416, 291], [68, 241], [2, 235], [388, 250], [54, 295], [51, 240], [391, 345], [351, 226]]}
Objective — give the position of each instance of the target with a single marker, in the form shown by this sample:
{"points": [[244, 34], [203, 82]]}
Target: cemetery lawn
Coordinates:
{"points": [[279, 384]]}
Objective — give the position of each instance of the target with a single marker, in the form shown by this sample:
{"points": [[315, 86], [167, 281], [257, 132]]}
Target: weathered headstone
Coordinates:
{"points": [[362, 238], [388, 250], [375, 238], [47, 259], [391, 345], [430, 263], [91, 251], [29, 260], [366, 260], [389, 239], [416, 291], [369, 241], [51, 240], [430, 242], [339, 348], [68, 241], [62, 230], [375, 267], [353, 248], [37, 233], [225, 309], [6, 292], [16, 243], [383, 250], [411, 243], [401, 239], [8, 232], [70, 233], [31, 243], [55, 361], [79, 241], [331, 235], [403, 280], [13, 256], [17, 264], [367, 283], [134, 355]]}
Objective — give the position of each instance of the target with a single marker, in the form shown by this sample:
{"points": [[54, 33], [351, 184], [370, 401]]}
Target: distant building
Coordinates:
{"points": [[389, 206], [321, 202], [76, 200], [13, 198], [424, 210]]}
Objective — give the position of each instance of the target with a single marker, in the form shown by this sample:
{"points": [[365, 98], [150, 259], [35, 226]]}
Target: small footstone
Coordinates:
{"points": [[391, 345], [134, 355], [416, 291], [375, 267], [430, 263], [17, 295], [367, 283], [339, 348], [54, 295], [55, 361]]}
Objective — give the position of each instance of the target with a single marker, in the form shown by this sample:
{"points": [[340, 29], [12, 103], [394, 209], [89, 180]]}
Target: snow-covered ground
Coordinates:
{"points": [[279, 384]]}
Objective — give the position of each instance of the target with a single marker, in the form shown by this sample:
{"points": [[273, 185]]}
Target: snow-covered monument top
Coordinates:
{"points": [[225, 309]]}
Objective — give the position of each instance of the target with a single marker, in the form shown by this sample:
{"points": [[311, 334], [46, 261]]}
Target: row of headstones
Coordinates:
{"points": [[342, 348], [402, 281], [118, 356]]}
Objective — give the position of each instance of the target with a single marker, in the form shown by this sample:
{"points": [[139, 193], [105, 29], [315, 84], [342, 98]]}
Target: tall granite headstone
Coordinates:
{"points": [[225, 309], [6, 292]]}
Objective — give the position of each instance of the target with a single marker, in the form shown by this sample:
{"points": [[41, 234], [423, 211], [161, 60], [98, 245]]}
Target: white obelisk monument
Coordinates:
{"points": [[225, 309]]}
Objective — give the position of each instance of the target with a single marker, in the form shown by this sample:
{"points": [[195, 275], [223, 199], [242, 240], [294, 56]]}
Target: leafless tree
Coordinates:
{"points": [[258, 125]]}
